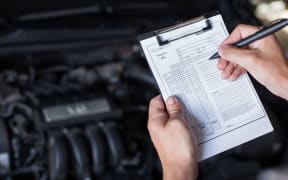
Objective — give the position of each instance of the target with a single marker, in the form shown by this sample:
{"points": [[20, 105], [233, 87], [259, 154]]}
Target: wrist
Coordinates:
{"points": [[284, 87], [181, 171]]}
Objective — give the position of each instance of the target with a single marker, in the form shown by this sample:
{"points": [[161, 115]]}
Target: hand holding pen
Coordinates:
{"points": [[264, 31], [264, 59]]}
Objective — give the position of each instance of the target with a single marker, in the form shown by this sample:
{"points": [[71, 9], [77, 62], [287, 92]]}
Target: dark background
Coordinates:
{"points": [[63, 52]]}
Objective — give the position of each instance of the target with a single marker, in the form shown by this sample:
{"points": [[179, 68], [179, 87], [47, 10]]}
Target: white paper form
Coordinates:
{"points": [[221, 113]]}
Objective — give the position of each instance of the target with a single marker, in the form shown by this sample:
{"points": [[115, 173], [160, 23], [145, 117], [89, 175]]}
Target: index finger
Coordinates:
{"points": [[240, 32]]}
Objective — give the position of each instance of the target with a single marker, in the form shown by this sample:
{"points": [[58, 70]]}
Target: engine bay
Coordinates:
{"points": [[82, 120]]}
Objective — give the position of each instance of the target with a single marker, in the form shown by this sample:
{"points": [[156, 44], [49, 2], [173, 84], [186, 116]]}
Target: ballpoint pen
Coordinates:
{"points": [[264, 31]]}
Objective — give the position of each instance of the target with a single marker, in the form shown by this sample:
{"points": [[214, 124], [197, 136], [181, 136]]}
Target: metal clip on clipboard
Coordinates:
{"points": [[162, 41]]}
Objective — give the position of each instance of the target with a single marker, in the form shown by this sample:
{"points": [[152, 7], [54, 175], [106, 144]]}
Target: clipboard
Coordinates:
{"points": [[161, 41], [222, 116], [180, 24]]}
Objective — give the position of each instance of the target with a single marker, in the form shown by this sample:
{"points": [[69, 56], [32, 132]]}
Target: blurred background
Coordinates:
{"points": [[75, 88]]}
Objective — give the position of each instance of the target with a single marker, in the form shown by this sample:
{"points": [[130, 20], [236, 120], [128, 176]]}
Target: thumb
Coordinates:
{"points": [[174, 108], [242, 57]]}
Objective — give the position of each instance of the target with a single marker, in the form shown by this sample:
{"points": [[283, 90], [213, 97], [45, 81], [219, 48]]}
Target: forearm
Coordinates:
{"points": [[282, 89], [181, 172]]}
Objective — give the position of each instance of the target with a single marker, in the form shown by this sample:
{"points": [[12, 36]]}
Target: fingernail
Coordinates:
{"points": [[171, 100]]}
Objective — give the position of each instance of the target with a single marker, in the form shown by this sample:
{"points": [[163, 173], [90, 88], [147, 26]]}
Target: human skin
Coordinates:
{"points": [[264, 60], [172, 139]]}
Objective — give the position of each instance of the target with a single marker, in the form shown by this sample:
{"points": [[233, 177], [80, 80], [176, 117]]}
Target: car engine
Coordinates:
{"points": [[78, 121]]}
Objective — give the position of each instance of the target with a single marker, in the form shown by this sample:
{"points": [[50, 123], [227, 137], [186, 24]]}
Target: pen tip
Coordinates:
{"points": [[214, 56]]}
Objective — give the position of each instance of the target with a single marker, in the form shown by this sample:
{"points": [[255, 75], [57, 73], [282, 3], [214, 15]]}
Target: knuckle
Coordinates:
{"points": [[175, 113], [175, 108]]}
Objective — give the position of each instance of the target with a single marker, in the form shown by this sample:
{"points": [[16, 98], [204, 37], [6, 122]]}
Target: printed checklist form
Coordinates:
{"points": [[222, 114]]}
